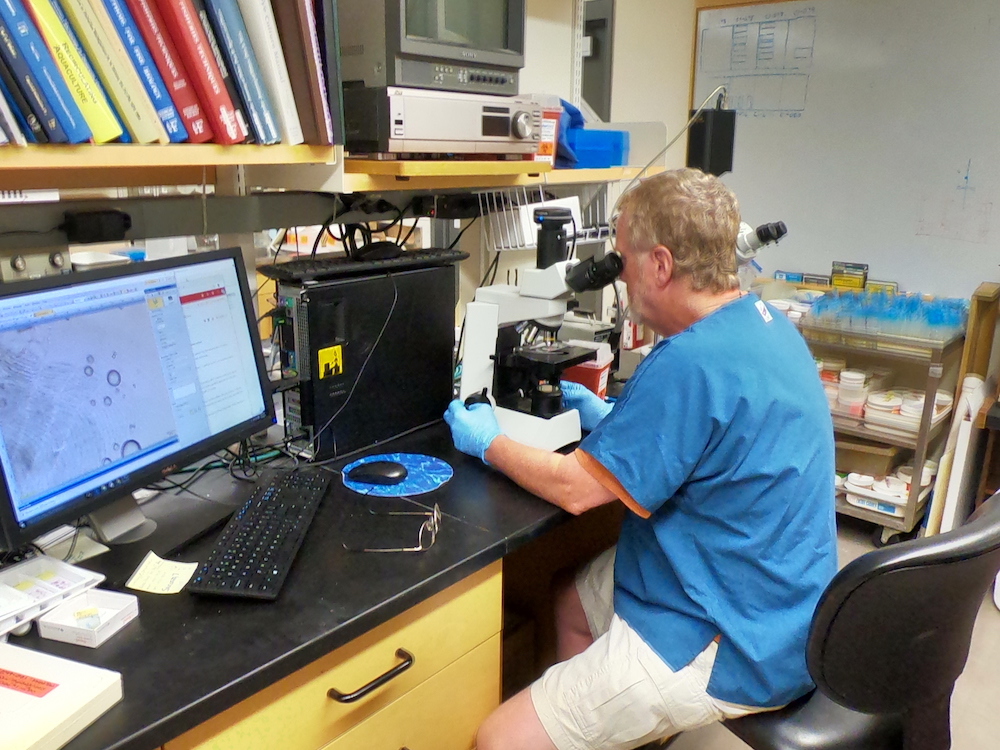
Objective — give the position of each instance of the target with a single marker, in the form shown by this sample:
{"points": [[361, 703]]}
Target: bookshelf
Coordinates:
{"points": [[320, 168]]}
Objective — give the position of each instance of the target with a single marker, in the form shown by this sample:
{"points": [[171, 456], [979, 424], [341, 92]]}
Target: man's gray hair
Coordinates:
{"points": [[695, 216]]}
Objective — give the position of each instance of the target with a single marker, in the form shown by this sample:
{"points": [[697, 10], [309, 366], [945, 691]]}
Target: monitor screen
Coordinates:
{"points": [[481, 25], [111, 379]]}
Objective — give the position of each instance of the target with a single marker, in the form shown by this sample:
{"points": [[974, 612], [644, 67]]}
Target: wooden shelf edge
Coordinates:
{"points": [[444, 168], [131, 156]]}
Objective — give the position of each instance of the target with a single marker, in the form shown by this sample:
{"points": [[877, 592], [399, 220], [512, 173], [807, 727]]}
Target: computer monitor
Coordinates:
{"points": [[112, 379]]}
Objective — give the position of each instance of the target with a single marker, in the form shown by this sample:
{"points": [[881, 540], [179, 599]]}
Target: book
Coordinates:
{"points": [[80, 79], [231, 33], [26, 118], [149, 74], [172, 69], [107, 54], [263, 31], [238, 106], [9, 123], [296, 22], [45, 701], [39, 78], [71, 32], [329, 37], [183, 23]]}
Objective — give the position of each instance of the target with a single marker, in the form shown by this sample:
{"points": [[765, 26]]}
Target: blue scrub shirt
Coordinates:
{"points": [[722, 446]]}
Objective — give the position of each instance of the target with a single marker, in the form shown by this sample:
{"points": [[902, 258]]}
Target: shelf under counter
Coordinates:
{"points": [[889, 345], [857, 428], [879, 519]]}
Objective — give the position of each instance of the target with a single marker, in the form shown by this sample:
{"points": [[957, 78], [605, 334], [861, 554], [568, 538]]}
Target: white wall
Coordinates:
{"points": [[548, 43], [651, 68]]}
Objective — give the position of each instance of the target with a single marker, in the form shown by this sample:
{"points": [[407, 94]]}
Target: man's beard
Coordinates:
{"points": [[634, 310]]}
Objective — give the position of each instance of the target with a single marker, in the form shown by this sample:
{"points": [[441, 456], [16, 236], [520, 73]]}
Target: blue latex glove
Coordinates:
{"points": [[592, 407], [473, 428]]}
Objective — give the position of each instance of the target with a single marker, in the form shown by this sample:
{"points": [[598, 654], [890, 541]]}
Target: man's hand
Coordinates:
{"points": [[591, 407], [472, 428]]}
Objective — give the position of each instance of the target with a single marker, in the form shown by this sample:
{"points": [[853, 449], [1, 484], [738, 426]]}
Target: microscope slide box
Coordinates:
{"points": [[90, 618]]}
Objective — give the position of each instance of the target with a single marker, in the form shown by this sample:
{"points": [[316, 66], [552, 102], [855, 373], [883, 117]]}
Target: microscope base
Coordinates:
{"points": [[548, 434]]}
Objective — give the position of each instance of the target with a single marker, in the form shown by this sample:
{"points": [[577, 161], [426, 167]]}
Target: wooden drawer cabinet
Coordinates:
{"points": [[442, 713], [296, 713]]}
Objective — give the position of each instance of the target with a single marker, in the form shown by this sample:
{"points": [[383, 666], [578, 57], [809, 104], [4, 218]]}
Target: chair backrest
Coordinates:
{"points": [[893, 629]]}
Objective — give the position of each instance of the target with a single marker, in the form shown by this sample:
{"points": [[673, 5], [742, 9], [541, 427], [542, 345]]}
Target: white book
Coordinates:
{"points": [[263, 32], [45, 701]]}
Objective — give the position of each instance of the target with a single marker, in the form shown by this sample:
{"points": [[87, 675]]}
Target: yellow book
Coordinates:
{"points": [[81, 83], [110, 60]]}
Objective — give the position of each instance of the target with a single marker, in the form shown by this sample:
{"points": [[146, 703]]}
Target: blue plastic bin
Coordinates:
{"points": [[598, 149]]}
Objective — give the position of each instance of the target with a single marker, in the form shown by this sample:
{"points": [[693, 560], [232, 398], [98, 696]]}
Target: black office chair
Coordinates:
{"points": [[890, 636]]}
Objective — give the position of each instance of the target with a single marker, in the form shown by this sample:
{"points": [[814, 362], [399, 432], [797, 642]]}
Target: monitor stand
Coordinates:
{"points": [[121, 522]]}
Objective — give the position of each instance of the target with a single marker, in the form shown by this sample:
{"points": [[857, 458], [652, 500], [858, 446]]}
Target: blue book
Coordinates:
{"points": [[138, 53], [46, 73], [27, 84], [231, 31], [30, 125], [125, 137]]}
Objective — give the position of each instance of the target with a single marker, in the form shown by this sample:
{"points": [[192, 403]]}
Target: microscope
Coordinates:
{"points": [[512, 358]]}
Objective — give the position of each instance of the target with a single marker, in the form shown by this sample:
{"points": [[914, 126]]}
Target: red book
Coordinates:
{"points": [[183, 25], [161, 47]]}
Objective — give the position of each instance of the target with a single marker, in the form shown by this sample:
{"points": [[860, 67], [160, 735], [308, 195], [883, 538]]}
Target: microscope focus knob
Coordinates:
{"points": [[477, 398], [520, 125]]}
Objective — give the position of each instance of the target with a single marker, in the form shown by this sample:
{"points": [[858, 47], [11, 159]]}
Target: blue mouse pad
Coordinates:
{"points": [[423, 474]]}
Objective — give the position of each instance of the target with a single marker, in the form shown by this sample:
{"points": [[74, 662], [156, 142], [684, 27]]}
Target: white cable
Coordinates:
{"points": [[687, 125]]}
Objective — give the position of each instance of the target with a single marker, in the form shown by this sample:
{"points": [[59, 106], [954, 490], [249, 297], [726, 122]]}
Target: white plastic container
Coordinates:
{"points": [[15, 608], [46, 582], [90, 618]]}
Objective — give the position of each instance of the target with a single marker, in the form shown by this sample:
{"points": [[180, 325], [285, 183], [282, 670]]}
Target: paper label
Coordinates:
{"points": [[27, 684], [331, 362], [158, 576], [764, 312]]}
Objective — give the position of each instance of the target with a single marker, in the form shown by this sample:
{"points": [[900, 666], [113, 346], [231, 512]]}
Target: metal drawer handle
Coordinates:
{"points": [[378, 682]]}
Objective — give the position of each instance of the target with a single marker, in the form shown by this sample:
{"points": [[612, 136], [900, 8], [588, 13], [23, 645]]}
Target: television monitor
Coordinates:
{"points": [[453, 45], [112, 379]]}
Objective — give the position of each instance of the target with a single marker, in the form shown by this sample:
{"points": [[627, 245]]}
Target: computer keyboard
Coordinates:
{"points": [[339, 266], [255, 551]]}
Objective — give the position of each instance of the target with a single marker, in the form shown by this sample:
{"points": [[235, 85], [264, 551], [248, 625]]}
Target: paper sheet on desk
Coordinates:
{"points": [[158, 576]]}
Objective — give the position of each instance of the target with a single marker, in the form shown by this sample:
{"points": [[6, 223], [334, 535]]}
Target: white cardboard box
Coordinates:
{"points": [[90, 618], [45, 701]]}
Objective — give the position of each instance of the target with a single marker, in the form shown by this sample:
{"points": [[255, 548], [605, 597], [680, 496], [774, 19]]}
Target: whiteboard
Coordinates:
{"points": [[871, 128]]}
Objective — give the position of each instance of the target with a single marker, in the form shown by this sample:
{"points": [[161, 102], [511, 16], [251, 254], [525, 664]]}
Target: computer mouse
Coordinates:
{"points": [[383, 250], [378, 472]]}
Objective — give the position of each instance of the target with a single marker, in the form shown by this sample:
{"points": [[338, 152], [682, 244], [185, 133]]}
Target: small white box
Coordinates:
{"points": [[109, 611]]}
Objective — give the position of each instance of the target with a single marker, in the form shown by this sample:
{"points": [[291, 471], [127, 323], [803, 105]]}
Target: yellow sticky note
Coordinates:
{"points": [[158, 576]]}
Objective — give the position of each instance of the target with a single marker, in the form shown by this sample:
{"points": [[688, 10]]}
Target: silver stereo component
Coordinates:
{"points": [[404, 121]]}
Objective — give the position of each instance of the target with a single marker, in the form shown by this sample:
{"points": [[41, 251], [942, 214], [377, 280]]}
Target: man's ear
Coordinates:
{"points": [[661, 266]]}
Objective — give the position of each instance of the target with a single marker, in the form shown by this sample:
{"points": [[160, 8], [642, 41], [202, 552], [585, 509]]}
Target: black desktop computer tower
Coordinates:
{"points": [[373, 356]]}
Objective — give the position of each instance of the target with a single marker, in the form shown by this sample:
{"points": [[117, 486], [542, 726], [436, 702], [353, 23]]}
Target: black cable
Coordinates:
{"points": [[277, 250], [461, 232], [412, 228], [319, 234], [572, 250]]}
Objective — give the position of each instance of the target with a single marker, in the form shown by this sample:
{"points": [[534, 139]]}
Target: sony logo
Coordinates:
{"points": [[469, 55]]}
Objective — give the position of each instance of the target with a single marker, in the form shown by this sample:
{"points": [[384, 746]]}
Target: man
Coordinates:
{"points": [[721, 446]]}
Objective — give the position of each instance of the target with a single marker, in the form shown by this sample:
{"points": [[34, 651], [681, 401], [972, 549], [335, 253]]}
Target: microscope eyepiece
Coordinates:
{"points": [[592, 274]]}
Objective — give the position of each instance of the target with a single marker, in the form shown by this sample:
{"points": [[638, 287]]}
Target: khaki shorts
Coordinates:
{"points": [[619, 694]]}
